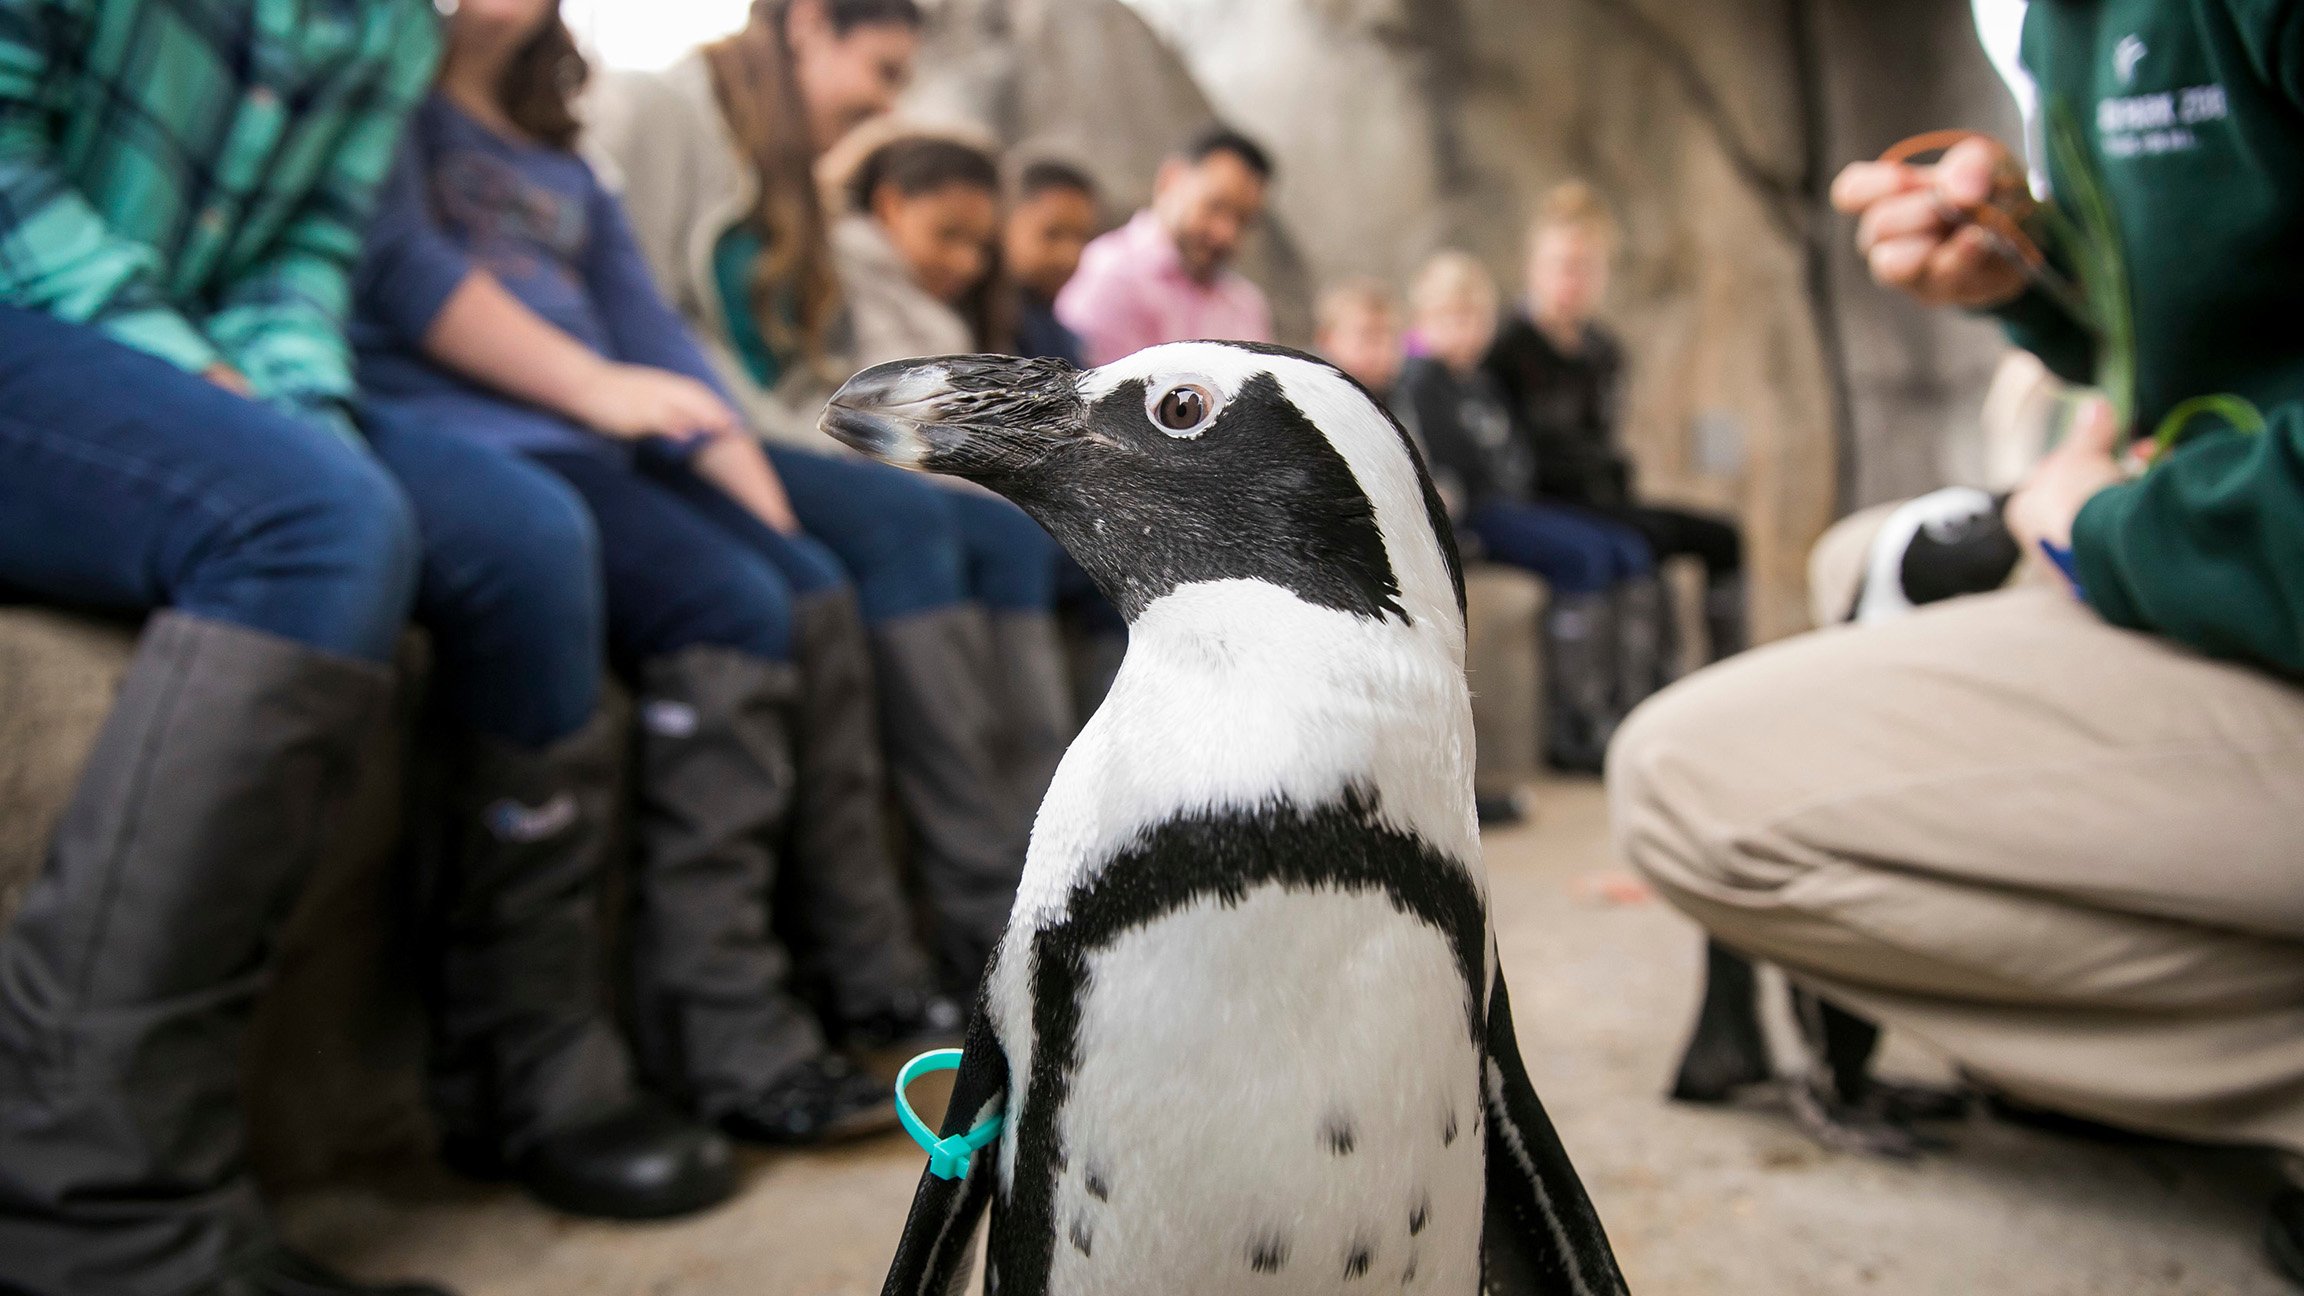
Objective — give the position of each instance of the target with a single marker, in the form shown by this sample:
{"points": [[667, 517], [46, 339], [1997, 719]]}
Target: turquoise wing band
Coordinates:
{"points": [[948, 1158]]}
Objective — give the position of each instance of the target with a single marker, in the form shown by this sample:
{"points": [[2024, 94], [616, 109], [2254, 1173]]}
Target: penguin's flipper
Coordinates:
{"points": [[933, 1257], [1541, 1234]]}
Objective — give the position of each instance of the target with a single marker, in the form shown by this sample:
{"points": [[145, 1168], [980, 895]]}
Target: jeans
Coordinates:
{"points": [[127, 484], [540, 571], [1576, 552], [913, 546]]}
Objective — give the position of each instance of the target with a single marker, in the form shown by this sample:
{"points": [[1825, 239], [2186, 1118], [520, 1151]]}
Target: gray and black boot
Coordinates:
{"points": [[1034, 676], [1580, 670], [128, 979], [1724, 625], [529, 1077], [1643, 640], [839, 897], [941, 731], [716, 1018]]}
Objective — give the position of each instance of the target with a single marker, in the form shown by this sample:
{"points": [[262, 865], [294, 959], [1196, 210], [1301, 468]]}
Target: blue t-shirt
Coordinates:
{"points": [[462, 198]]}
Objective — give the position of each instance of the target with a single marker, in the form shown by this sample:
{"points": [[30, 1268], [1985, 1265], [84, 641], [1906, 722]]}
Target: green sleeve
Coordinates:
{"points": [[2035, 323], [57, 253], [2208, 548], [282, 323]]}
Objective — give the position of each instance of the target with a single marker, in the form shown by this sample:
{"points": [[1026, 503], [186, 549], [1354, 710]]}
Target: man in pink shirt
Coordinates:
{"points": [[1166, 275]]}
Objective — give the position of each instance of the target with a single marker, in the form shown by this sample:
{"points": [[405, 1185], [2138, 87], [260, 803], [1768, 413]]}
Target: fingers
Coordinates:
{"points": [[1902, 215], [1861, 184], [1967, 171], [2095, 428], [1970, 269]]}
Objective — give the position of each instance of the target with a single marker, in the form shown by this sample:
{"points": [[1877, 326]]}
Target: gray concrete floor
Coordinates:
{"points": [[1603, 981]]}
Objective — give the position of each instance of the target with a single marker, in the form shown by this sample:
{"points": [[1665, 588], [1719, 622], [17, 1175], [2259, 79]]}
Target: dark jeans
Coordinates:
{"points": [[1674, 533], [914, 546], [127, 484], [1576, 552], [539, 571]]}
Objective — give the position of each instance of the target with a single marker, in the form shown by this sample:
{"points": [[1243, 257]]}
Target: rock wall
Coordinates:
{"points": [[1770, 379]]}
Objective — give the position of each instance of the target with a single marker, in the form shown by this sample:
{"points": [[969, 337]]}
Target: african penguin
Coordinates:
{"points": [[1246, 1023]]}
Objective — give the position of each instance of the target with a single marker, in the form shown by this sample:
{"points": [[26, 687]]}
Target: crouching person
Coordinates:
{"points": [[172, 442], [2052, 829]]}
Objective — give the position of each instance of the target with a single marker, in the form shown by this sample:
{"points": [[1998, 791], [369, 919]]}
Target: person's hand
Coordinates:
{"points": [[632, 401], [2044, 507], [1911, 233], [740, 468], [230, 379]]}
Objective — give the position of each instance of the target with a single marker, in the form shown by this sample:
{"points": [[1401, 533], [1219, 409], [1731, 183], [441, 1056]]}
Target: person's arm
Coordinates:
{"points": [[644, 331], [420, 291], [57, 253], [282, 323], [2201, 549]]}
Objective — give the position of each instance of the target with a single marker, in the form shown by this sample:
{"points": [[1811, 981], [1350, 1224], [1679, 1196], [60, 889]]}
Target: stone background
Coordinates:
{"points": [[1770, 376]]}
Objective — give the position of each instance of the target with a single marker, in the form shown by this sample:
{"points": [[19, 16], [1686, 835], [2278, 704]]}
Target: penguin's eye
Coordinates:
{"points": [[1182, 409]]}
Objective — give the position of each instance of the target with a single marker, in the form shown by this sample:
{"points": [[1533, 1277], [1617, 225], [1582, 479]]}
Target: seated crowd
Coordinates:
{"points": [[538, 374], [386, 319]]}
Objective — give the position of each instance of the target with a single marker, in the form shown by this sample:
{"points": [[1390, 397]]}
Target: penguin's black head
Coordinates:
{"points": [[1184, 463]]}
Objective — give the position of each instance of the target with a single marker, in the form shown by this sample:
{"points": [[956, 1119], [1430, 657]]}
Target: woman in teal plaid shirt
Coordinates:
{"points": [[184, 186]]}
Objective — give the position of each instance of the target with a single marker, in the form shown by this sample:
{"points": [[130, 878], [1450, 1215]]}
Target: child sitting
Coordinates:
{"points": [[1602, 632]]}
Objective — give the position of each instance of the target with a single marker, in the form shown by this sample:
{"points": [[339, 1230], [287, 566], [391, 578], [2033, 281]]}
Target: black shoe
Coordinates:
{"points": [[823, 1100], [641, 1161], [2284, 1234], [916, 1020], [282, 1272]]}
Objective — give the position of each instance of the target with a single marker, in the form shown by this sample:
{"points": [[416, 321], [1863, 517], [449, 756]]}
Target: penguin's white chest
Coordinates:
{"points": [[1278, 1096]]}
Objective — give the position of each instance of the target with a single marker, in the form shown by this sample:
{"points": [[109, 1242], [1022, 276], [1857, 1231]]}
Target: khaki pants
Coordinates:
{"points": [[2070, 856]]}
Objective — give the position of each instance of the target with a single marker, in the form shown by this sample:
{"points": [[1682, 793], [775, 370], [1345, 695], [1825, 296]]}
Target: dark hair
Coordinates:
{"points": [[1223, 139], [759, 95], [1044, 174], [538, 88], [921, 164]]}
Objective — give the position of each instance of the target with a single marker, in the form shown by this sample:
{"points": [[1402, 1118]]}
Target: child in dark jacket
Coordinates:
{"points": [[1604, 627]]}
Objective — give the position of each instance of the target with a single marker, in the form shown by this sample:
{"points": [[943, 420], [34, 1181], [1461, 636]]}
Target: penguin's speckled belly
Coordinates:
{"points": [[1275, 1096]]}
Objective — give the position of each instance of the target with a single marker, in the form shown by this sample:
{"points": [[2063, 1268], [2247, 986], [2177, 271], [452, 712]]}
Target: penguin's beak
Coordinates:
{"points": [[980, 417]]}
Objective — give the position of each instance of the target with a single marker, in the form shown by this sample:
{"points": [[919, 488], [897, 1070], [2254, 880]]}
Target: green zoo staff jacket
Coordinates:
{"points": [[2193, 112]]}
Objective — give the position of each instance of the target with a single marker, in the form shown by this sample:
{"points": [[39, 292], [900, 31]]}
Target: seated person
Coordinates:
{"points": [[1050, 220], [1603, 639], [2052, 829], [917, 256], [1562, 375], [718, 155], [1167, 276], [175, 446], [507, 327]]}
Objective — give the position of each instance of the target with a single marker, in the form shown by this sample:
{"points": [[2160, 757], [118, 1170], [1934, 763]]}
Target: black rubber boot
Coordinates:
{"points": [[127, 980], [713, 1005], [529, 1076], [941, 734], [1728, 1050], [1580, 666], [838, 898], [1839, 1102], [2284, 1234]]}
